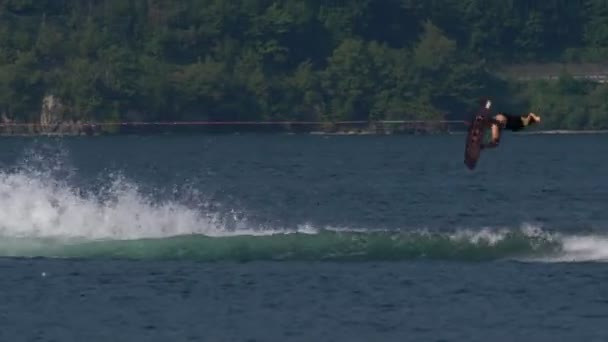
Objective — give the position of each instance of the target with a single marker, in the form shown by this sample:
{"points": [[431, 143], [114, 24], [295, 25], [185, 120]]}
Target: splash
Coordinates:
{"points": [[37, 200], [40, 207]]}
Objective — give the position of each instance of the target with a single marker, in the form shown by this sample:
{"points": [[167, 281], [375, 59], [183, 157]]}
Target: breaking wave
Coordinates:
{"points": [[42, 215], [324, 245]]}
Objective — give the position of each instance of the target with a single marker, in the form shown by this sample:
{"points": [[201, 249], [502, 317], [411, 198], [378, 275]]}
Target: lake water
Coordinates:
{"points": [[303, 238]]}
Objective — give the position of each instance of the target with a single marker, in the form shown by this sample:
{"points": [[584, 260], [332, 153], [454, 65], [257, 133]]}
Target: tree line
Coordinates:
{"points": [[157, 60]]}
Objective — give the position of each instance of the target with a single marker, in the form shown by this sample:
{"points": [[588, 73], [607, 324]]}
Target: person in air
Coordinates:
{"points": [[503, 120]]}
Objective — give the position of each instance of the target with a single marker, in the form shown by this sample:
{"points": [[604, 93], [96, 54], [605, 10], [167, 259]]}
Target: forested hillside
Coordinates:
{"points": [[150, 60]]}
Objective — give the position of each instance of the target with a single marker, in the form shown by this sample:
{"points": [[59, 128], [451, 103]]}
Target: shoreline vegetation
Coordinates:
{"points": [[64, 64], [338, 128], [320, 133]]}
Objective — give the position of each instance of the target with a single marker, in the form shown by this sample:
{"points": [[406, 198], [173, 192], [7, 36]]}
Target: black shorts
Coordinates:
{"points": [[514, 122]]}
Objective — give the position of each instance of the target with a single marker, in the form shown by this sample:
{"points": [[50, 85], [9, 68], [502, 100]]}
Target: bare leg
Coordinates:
{"points": [[530, 118]]}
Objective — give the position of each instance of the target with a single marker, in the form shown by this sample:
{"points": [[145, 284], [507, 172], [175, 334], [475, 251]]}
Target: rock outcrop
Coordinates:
{"points": [[51, 114], [53, 119]]}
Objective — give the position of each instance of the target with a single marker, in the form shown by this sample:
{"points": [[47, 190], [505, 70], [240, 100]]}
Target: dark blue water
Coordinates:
{"points": [[303, 238]]}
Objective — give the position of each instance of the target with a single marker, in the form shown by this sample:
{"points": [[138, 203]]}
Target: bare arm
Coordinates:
{"points": [[495, 127]]}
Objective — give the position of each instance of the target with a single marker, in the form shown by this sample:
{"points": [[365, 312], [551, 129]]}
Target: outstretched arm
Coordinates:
{"points": [[495, 126]]}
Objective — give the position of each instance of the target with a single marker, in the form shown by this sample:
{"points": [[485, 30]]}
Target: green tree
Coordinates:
{"points": [[284, 60]]}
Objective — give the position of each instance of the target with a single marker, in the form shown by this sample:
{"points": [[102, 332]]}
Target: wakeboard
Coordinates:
{"points": [[475, 133]]}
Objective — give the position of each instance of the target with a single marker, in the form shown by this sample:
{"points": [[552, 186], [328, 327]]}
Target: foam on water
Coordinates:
{"points": [[590, 248]]}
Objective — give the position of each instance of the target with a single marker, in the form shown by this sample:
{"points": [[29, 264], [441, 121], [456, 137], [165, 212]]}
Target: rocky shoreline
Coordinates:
{"points": [[76, 128]]}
